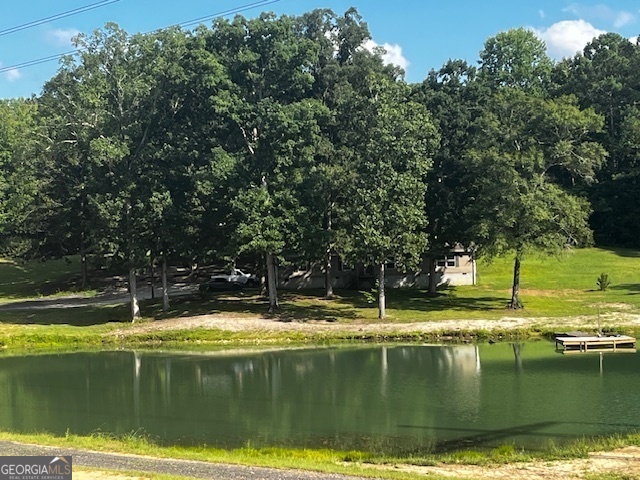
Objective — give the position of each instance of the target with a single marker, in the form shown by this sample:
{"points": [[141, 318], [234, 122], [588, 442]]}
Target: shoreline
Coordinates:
{"points": [[614, 458], [228, 330]]}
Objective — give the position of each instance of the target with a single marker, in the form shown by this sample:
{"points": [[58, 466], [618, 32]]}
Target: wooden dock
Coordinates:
{"points": [[584, 343]]}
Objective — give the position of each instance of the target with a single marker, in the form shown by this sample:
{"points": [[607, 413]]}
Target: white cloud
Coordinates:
{"points": [[568, 37], [541, 13], [623, 18], [13, 75], [617, 18], [62, 37], [634, 40], [392, 55]]}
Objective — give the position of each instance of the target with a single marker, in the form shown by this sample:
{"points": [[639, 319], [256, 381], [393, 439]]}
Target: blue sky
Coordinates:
{"points": [[419, 34]]}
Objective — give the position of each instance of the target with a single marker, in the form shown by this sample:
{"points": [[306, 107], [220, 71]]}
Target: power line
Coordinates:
{"points": [[58, 16], [249, 6], [50, 58]]}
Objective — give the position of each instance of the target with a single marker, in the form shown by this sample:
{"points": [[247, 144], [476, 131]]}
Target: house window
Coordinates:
{"points": [[390, 263], [448, 261], [301, 266], [344, 267]]}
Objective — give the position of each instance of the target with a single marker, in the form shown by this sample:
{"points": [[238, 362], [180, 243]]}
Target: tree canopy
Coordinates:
{"points": [[282, 137]]}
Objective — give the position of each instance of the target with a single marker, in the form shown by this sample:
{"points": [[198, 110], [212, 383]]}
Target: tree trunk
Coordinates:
{"points": [[515, 291], [152, 271], [433, 280], [382, 300], [85, 270], [165, 285], [262, 274], [328, 274], [133, 294], [272, 283], [328, 281], [133, 287]]}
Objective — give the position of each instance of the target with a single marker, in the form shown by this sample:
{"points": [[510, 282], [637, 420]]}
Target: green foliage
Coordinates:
{"points": [[371, 296], [23, 203], [355, 463], [503, 452], [603, 282], [605, 79], [516, 58], [527, 144]]}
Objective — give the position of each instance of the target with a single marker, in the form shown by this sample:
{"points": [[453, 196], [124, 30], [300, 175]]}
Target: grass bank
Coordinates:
{"points": [[363, 464], [553, 289], [56, 338], [328, 461]]}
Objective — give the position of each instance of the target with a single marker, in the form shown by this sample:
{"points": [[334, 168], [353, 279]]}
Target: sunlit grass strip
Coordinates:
{"points": [[73, 338], [31, 338], [323, 460], [328, 461]]}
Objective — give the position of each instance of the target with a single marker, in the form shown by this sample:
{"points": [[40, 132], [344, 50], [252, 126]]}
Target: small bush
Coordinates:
{"points": [[503, 451], [470, 457], [603, 282], [371, 296]]}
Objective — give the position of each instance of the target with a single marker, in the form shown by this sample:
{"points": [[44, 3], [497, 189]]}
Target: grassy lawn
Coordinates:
{"points": [[550, 287], [34, 279]]}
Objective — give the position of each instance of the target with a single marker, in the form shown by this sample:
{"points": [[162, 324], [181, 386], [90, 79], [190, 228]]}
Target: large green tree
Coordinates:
{"points": [[527, 148], [24, 206], [391, 140], [515, 58], [71, 124], [604, 77], [112, 100], [338, 72], [455, 98], [272, 127]]}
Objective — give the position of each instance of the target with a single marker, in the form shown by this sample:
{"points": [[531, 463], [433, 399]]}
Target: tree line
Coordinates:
{"points": [[282, 137]]}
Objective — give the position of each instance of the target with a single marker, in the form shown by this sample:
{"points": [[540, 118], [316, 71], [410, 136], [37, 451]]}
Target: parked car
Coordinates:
{"points": [[218, 285], [234, 280]]}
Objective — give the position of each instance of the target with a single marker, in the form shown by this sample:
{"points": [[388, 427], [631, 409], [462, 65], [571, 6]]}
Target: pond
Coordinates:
{"points": [[395, 399]]}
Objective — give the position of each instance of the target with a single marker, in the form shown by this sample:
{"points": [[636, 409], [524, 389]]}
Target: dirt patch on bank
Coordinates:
{"points": [[260, 324], [624, 462]]}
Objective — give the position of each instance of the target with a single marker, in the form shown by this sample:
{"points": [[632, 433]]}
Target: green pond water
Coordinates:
{"points": [[396, 399]]}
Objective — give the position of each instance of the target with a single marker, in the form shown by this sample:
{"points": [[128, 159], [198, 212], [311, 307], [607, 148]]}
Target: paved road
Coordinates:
{"points": [[186, 468], [110, 298]]}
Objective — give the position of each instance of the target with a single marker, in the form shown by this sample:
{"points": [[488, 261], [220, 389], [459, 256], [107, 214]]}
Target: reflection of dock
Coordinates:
{"points": [[601, 350], [583, 343]]}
